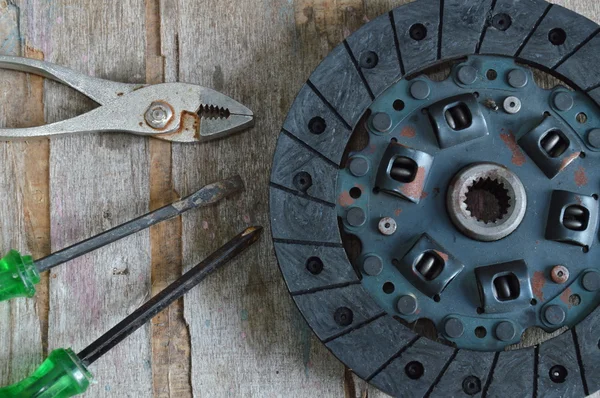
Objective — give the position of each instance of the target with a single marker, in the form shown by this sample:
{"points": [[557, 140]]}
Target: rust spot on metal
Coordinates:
{"points": [[189, 129], [518, 158], [569, 159], [436, 192], [408, 132], [397, 212], [414, 190], [443, 255], [580, 177], [565, 296], [120, 94], [424, 195], [345, 200], [537, 284]]}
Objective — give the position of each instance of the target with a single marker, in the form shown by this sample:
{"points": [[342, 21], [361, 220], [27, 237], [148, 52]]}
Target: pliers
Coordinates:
{"points": [[177, 112]]}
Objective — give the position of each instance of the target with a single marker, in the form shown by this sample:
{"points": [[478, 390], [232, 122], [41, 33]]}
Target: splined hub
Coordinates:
{"points": [[486, 201], [468, 202]]}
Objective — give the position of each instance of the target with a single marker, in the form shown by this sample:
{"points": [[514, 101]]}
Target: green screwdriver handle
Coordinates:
{"points": [[62, 375], [18, 276]]}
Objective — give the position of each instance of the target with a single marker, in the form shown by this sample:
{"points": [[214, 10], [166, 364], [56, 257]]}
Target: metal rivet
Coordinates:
{"points": [[554, 315], [381, 122], [387, 226], [369, 60], [343, 316], [303, 181], [512, 105], [454, 328], [559, 274], [591, 281], [158, 115], [471, 385], [372, 266], [502, 22], [563, 101], [407, 305], [359, 167], [314, 265], [517, 78], [505, 331], [356, 217], [467, 74], [594, 138], [317, 125], [420, 90]]}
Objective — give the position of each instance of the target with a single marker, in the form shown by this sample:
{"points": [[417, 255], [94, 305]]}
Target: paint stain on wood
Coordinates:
{"points": [[36, 188], [580, 177], [171, 361], [518, 157]]}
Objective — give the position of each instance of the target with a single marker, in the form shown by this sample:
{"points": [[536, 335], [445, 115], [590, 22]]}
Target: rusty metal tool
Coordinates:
{"points": [[65, 374], [177, 112], [19, 274]]}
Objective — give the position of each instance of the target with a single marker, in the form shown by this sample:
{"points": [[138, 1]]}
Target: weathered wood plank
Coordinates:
{"points": [[24, 212], [170, 337], [248, 338], [97, 181]]}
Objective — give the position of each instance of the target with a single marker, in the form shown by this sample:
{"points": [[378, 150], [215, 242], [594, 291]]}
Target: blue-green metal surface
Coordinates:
{"points": [[412, 128]]}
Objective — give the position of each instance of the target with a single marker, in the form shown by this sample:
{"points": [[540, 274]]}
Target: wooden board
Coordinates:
{"points": [[239, 334]]}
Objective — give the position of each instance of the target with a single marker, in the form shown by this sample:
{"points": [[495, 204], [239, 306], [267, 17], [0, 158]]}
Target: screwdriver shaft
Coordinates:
{"points": [[169, 295], [208, 195]]}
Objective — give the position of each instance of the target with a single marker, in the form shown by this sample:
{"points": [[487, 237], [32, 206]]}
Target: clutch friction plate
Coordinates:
{"points": [[468, 199]]}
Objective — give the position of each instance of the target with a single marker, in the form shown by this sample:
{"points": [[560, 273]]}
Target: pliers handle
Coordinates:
{"points": [[178, 112]]}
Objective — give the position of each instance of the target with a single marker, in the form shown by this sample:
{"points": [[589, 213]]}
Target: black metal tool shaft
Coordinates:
{"points": [[169, 295], [208, 195]]}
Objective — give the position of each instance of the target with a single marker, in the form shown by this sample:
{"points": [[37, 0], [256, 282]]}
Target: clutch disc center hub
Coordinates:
{"points": [[486, 201]]}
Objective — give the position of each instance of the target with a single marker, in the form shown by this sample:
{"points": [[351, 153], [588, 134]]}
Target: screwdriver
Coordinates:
{"points": [[65, 374], [19, 274]]}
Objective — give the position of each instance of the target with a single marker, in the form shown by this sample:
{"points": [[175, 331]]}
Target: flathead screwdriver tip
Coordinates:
{"points": [[254, 231], [217, 191]]}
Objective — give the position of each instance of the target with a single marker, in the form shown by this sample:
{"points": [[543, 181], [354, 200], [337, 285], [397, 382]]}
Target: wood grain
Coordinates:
{"points": [[170, 336], [246, 337], [98, 181], [24, 211]]}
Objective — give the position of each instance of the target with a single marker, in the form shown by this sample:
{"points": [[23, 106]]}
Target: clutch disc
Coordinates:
{"points": [[469, 200]]}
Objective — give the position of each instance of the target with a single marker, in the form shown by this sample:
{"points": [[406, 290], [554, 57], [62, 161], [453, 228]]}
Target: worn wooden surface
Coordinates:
{"points": [[238, 334]]}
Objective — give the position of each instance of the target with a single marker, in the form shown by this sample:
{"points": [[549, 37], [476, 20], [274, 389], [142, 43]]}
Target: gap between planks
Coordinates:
{"points": [[35, 188], [171, 361]]}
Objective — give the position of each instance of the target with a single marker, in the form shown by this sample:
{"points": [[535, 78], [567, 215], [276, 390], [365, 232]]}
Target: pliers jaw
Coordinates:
{"points": [[177, 112], [214, 116]]}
